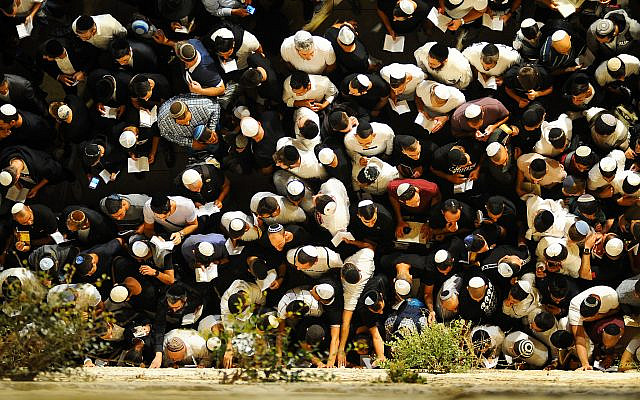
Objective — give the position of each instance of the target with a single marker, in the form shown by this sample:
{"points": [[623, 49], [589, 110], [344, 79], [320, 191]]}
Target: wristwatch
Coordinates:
{"points": [[586, 251], [157, 273]]}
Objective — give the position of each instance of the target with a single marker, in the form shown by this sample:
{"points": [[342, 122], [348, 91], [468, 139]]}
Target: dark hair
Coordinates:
{"points": [[236, 301], [457, 157], [495, 205], [562, 339], [309, 129], [474, 242], [11, 288], [543, 221], [544, 320], [267, 205], [451, 205], [530, 32], [322, 200], [105, 88], [558, 286], [612, 329], [160, 204], [367, 212], [364, 129], [222, 45], [636, 287], [119, 47], [590, 306], [338, 120], [113, 204], [350, 273], [528, 77], [557, 138], [517, 292], [304, 258], [368, 175], [538, 168], [290, 154], [314, 335], [250, 78], [83, 264], [139, 86], [490, 53], [53, 48], [84, 23], [297, 308], [355, 83], [299, 80], [533, 115], [176, 292], [439, 51]]}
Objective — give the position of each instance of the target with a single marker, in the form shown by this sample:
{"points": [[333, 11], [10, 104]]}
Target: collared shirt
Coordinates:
{"points": [[543, 146], [363, 260], [190, 243], [382, 142], [455, 72], [249, 235], [619, 179], [465, 7], [339, 220], [304, 114], [204, 111], [321, 89], [618, 139], [327, 259], [569, 266], [323, 55], [387, 174], [608, 301], [456, 98], [417, 76], [626, 292], [315, 308], [536, 203], [256, 297], [106, 28], [507, 57], [289, 212]]}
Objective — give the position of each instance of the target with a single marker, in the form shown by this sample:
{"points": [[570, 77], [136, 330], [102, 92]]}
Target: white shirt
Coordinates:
{"points": [[529, 306], [456, 70], [555, 170], [25, 7], [184, 214], [608, 299], [321, 89], [310, 167], [106, 28], [496, 337], [631, 67], [543, 146], [387, 174], [327, 259], [339, 220], [417, 76], [206, 324], [595, 180], [455, 100], [507, 56], [618, 139], [382, 142], [86, 295], [315, 308], [289, 212], [618, 180], [303, 114], [540, 353], [465, 7], [256, 297], [363, 259], [250, 234], [536, 203], [323, 55], [250, 44], [571, 265], [65, 65], [195, 345]]}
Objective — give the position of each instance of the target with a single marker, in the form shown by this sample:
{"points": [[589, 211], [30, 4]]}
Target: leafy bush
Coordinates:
{"points": [[438, 348], [41, 338]]}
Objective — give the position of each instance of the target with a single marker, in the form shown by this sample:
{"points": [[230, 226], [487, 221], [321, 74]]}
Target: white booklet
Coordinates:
{"points": [[229, 66], [400, 107], [494, 23], [233, 250], [207, 209], [463, 187], [57, 237], [489, 83], [425, 122], [439, 20], [568, 7], [394, 46], [415, 235], [148, 118], [340, 236], [207, 274], [139, 165], [162, 244], [109, 112], [17, 195], [24, 30], [106, 175]]}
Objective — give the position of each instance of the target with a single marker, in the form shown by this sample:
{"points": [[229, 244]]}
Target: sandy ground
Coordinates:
{"points": [[138, 384]]}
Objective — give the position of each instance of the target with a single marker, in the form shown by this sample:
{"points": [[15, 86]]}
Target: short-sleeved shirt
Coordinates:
{"points": [[493, 109], [427, 190], [608, 299], [184, 214], [323, 55]]}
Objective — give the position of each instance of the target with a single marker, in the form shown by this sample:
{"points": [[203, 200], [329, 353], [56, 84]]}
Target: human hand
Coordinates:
{"points": [[456, 179], [400, 229], [532, 94], [218, 203], [454, 24], [342, 359], [160, 38], [78, 76], [32, 193], [363, 161], [475, 174], [432, 317], [195, 87], [22, 246], [66, 79], [630, 154], [227, 360], [147, 270], [585, 368], [240, 12], [151, 158], [522, 103], [276, 284], [176, 237]]}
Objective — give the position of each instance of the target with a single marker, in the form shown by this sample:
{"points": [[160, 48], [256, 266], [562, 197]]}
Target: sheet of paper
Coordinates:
{"points": [[207, 209], [489, 83], [24, 30], [425, 122], [145, 119], [57, 237], [394, 46], [229, 66], [414, 235], [233, 251], [494, 23], [400, 107], [439, 20], [565, 8], [264, 284], [111, 113], [105, 175], [139, 165], [162, 244], [340, 236], [208, 274], [17, 195], [463, 187]]}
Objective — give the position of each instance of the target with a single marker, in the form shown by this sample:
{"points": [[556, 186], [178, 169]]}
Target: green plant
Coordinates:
{"points": [[438, 348]]}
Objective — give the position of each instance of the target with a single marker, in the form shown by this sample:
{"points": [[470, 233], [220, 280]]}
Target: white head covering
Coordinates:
{"points": [[472, 111], [325, 292], [223, 33], [46, 263], [524, 285], [5, 178], [311, 251], [407, 7], [614, 247], [140, 249], [302, 40], [346, 36], [119, 294], [190, 176], [402, 287], [127, 139], [528, 23], [64, 111], [442, 92], [205, 248], [17, 208], [325, 156], [441, 256], [402, 188], [249, 126], [295, 187], [8, 109], [553, 250], [364, 80], [476, 282], [214, 343], [364, 203], [330, 208], [608, 164], [236, 224], [493, 148], [241, 112], [614, 64], [558, 35]]}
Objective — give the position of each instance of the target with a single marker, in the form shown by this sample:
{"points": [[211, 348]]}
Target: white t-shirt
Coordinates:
{"points": [[310, 167], [339, 220], [455, 100], [417, 76], [256, 297], [465, 7], [570, 265], [507, 56], [184, 214], [631, 67], [323, 55], [315, 308], [595, 180], [327, 259], [249, 45], [86, 295], [363, 259], [382, 142], [544, 146], [387, 174], [608, 299], [196, 345], [289, 212], [455, 72]]}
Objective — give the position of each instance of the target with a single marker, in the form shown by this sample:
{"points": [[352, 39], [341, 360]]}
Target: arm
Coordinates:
{"points": [[154, 149], [148, 229], [333, 346], [378, 343], [226, 187], [344, 336], [385, 21], [626, 362], [166, 277], [428, 300], [581, 346]]}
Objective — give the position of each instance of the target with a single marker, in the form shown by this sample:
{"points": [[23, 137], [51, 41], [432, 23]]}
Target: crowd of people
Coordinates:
{"points": [[497, 183]]}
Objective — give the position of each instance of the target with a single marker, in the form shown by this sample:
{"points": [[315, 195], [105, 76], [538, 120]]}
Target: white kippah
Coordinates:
{"points": [[236, 224], [456, 2], [325, 291], [614, 247], [241, 112], [558, 35], [140, 249], [442, 92], [17, 208], [214, 343], [64, 111], [505, 270], [330, 208], [608, 164], [609, 119], [528, 23], [493, 148], [407, 7], [633, 179], [205, 248], [524, 285], [190, 176], [583, 151], [553, 250], [223, 33], [396, 73], [46, 263], [302, 37], [614, 64], [8, 109], [364, 203], [472, 111], [295, 187], [326, 156], [446, 294], [441, 256], [402, 287], [368, 301], [364, 80], [5, 178], [402, 188], [127, 139], [119, 294], [476, 282], [346, 36], [311, 251], [249, 126]]}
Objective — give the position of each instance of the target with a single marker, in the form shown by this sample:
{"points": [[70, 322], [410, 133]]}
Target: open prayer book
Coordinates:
{"points": [[394, 46], [207, 274], [162, 244], [414, 236], [439, 20], [138, 165]]}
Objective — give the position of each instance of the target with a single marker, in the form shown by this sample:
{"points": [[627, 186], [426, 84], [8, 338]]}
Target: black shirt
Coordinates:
{"points": [[466, 221], [408, 25], [355, 61], [417, 264], [264, 149], [44, 223], [212, 181], [379, 89], [271, 88], [407, 164], [380, 284], [382, 232], [472, 147], [35, 132]]}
